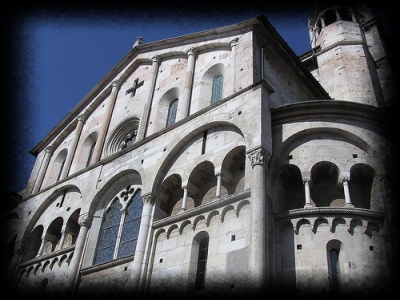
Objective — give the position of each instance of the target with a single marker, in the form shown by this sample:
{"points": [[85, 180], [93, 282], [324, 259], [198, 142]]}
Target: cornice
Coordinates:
{"points": [[202, 209], [317, 211], [328, 109]]}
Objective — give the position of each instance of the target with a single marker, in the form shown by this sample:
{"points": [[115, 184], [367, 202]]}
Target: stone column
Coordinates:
{"points": [[306, 181], [322, 22], [259, 237], [61, 243], [147, 108], [40, 251], [345, 182], [218, 191], [84, 222], [10, 282], [105, 123], [72, 148], [233, 44], [345, 178], [139, 265], [388, 187], [184, 104], [43, 168], [184, 200]]}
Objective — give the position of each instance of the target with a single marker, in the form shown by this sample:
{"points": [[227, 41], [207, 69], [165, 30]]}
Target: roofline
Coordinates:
{"points": [[140, 48]]}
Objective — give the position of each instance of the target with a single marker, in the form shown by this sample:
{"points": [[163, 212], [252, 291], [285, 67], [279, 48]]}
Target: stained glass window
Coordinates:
{"points": [[217, 89], [131, 227], [172, 112], [109, 233], [116, 221]]}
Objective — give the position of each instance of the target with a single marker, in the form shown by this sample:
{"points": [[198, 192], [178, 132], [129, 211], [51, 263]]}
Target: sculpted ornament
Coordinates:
{"points": [[85, 220], [258, 157], [148, 198]]}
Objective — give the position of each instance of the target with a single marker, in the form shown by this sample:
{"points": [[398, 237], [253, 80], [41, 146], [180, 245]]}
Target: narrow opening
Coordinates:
{"points": [[203, 147], [334, 256], [201, 264]]}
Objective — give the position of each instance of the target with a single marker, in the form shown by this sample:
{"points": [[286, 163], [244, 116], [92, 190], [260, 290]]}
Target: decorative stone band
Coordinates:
{"points": [[332, 216], [330, 211], [218, 202]]}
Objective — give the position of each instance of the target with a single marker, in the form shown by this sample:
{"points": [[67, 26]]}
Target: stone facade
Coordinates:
{"points": [[219, 163]]}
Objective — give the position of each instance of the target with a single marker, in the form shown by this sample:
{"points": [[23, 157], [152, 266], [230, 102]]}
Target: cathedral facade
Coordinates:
{"points": [[219, 163]]}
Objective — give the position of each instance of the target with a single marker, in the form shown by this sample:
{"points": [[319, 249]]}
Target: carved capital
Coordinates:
{"points": [[155, 59], [345, 179], [49, 149], [191, 51], [233, 43], [85, 220], [19, 249], [387, 182], [258, 157], [148, 198], [116, 83], [81, 117]]}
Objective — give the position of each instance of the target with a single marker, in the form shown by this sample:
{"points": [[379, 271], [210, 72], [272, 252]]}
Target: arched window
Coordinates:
{"points": [[61, 169], [345, 14], [217, 89], [130, 230], [201, 264], [120, 228], [172, 112], [129, 140], [43, 286], [90, 154], [329, 17], [334, 257]]}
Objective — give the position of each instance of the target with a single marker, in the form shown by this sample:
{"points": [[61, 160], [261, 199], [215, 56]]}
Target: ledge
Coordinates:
{"points": [[299, 212]]}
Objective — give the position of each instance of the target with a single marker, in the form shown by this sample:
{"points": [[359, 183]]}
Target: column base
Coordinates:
{"points": [[348, 205], [308, 205]]}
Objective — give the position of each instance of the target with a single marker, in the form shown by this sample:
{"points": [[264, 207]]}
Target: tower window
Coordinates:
{"points": [[329, 17], [345, 14], [335, 270], [201, 264]]}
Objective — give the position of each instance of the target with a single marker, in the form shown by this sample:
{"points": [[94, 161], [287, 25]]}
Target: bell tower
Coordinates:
{"points": [[349, 55]]}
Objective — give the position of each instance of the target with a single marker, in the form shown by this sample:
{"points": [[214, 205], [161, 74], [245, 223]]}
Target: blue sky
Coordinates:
{"points": [[66, 54]]}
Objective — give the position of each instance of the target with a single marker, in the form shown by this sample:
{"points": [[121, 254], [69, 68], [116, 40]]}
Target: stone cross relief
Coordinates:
{"points": [[136, 84]]}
